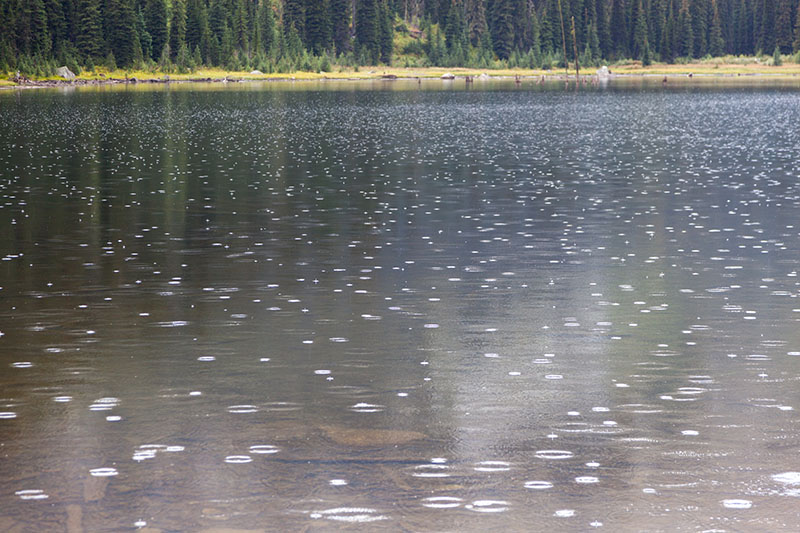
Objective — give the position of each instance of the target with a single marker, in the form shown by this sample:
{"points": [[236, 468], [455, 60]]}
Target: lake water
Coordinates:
{"points": [[400, 307]]}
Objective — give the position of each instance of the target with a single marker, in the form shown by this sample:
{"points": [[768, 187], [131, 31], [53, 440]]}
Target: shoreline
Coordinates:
{"points": [[388, 74]]}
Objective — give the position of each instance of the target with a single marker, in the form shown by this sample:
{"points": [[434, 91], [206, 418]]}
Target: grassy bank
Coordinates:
{"points": [[736, 67]]}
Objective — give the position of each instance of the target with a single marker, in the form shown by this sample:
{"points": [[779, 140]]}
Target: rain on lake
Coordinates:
{"points": [[391, 307]]}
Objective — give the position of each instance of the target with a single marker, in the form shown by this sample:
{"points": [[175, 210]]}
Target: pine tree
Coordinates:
{"points": [[155, 19], [385, 33], [502, 16], [177, 27], [122, 35], [294, 16], [685, 32], [783, 26], [619, 31], [90, 29], [796, 45], [266, 23], [318, 30], [367, 45], [196, 23], [340, 25], [716, 45], [475, 15], [640, 32]]}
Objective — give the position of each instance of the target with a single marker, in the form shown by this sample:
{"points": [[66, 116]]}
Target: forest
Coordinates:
{"points": [[315, 35]]}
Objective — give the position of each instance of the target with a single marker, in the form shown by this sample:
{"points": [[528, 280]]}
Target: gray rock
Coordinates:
{"points": [[256, 73], [65, 73], [603, 72], [448, 76]]}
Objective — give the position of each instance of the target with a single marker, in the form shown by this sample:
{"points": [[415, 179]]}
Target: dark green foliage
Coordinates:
{"points": [[90, 29], [340, 24], [177, 27], [155, 21], [280, 35], [123, 39], [367, 26], [318, 27]]}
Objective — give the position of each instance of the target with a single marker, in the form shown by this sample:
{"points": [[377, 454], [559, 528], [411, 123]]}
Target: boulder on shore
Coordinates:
{"points": [[448, 76], [603, 72], [256, 73], [65, 73]]}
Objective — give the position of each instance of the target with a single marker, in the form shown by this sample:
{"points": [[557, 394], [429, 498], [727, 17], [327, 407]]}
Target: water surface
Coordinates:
{"points": [[384, 306]]}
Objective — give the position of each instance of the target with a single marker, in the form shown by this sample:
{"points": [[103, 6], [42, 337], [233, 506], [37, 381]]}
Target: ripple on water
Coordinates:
{"points": [[737, 504], [282, 406], [431, 470], [554, 454], [238, 459], [363, 407], [350, 514], [22, 364], [585, 480], [264, 449], [488, 506], [538, 485], [103, 472], [564, 513], [442, 502], [242, 409], [492, 466], [6, 415], [787, 478], [31, 494]]}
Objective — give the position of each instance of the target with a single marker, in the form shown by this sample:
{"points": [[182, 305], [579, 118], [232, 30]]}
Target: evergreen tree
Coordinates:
{"points": [[685, 31], [123, 39], [318, 30], [796, 45], [619, 34], [475, 15], [177, 27], [716, 45], [145, 40], [90, 29], [196, 23], [783, 26], [385, 33], [155, 20], [367, 45], [294, 16], [640, 32], [266, 23], [340, 25], [502, 16]]}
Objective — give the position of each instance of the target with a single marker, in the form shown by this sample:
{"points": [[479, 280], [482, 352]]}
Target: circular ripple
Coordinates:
{"points": [[488, 506], [103, 472], [239, 409], [554, 454], [538, 485], [737, 504], [31, 494], [238, 459], [492, 466], [264, 449], [442, 502]]}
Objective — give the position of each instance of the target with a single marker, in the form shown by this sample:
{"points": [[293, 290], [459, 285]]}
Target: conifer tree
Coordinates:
{"points": [[196, 23], [716, 45], [685, 31], [502, 16], [783, 26], [318, 32], [385, 32], [294, 16], [367, 30], [619, 34], [155, 19], [796, 45], [340, 24], [90, 29], [122, 35], [640, 31], [266, 23], [475, 15], [177, 27]]}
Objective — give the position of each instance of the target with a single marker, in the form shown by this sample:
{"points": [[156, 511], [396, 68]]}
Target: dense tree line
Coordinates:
{"points": [[290, 34]]}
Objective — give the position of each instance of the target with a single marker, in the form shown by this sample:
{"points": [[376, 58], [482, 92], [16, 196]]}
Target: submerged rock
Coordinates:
{"points": [[65, 73], [370, 437]]}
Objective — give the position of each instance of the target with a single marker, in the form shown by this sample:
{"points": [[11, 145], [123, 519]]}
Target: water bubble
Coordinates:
{"points": [[363, 407], [584, 480], [564, 513], [206, 358], [337, 482]]}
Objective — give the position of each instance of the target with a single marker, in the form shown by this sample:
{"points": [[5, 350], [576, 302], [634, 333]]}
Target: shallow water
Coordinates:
{"points": [[389, 307]]}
